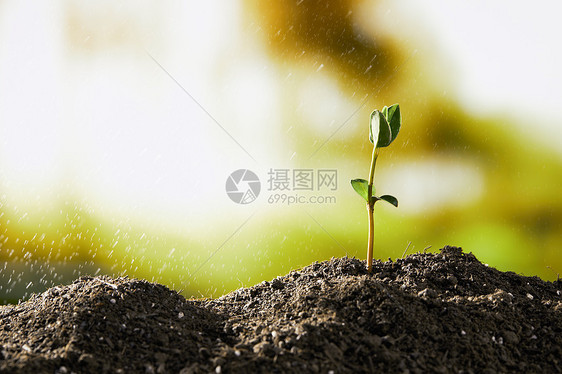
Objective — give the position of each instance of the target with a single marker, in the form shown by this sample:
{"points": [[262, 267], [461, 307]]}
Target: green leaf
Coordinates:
{"points": [[390, 199], [361, 186], [385, 112], [394, 119], [379, 130], [373, 130]]}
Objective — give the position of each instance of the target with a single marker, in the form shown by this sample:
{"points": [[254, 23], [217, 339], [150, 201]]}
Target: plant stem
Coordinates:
{"points": [[372, 172], [370, 210]]}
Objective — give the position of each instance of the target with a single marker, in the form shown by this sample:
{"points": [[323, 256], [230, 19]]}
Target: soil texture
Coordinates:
{"points": [[440, 312]]}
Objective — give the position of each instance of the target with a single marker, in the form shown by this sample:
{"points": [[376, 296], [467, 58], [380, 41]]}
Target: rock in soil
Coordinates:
{"points": [[438, 313]]}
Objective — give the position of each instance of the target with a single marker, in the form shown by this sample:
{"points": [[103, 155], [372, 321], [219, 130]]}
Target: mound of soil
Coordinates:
{"points": [[442, 313]]}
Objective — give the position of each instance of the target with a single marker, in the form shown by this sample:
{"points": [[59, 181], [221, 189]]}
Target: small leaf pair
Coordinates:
{"points": [[385, 125], [361, 186]]}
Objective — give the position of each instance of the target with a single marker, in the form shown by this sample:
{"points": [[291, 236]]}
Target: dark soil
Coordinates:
{"points": [[438, 313]]}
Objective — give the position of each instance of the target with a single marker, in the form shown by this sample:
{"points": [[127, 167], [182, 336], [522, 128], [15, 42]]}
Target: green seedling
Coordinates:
{"points": [[383, 129]]}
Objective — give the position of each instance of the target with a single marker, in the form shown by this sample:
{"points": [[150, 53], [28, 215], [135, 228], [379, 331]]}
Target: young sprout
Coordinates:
{"points": [[383, 129]]}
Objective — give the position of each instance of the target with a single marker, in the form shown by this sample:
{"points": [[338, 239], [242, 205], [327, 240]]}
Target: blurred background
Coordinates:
{"points": [[120, 123]]}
